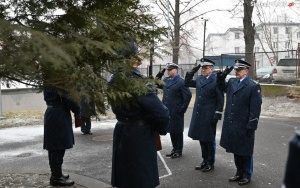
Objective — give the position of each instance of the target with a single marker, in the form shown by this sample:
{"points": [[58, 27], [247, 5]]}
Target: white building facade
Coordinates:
{"points": [[273, 41]]}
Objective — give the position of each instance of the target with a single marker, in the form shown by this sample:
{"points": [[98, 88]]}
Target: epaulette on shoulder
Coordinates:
{"points": [[254, 81]]}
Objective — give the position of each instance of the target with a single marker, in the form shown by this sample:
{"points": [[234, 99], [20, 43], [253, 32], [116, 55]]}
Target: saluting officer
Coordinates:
{"points": [[207, 111], [176, 96], [243, 107]]}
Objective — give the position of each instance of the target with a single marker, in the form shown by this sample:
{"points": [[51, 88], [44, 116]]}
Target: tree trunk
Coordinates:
{"points": [[175, 44], [249, 32]]}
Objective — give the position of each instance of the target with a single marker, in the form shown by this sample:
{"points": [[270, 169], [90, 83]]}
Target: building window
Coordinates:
{"points": [[237, 36], [256, 49], [298, 35], [287, 30], [275, 30], [237, 49], [257, 64], [287, 44], [275, 45]]}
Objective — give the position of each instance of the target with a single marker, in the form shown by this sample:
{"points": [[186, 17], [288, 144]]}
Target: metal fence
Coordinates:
{"points": [[261, 59]]}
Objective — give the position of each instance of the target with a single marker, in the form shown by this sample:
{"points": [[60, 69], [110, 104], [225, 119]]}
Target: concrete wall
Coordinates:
{"points": [[31, 99], [22, 99]]}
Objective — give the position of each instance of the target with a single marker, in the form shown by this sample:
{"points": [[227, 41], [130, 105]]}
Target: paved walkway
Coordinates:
{"points": [[276, 107], [41, 180]]}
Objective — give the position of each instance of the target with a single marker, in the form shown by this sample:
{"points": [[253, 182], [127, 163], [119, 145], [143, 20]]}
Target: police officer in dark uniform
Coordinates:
{"points": [[243, 107], [58, 132], [292, 170], [134, 161], [87, 109], [176, 96], [207, 111]]}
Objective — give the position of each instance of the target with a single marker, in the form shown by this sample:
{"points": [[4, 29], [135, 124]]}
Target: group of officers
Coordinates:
{"points": [[243, 107], [134, 161], [134, 153]]}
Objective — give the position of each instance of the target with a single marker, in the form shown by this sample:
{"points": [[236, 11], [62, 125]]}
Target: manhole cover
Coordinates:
{"points": [[24, 155], [103, 138]]}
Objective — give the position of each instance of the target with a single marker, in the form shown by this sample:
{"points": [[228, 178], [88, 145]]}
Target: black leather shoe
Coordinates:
{"points": [[202, 165], [176, 155], [61, 181], [170, 154], [66, 176], [85, 133], [208, 168], [235, 178], [244, 181]]}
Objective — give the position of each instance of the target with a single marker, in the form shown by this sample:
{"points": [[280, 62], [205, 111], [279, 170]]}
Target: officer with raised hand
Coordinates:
{"points": [[243, 107], [207, 111], [176, 96]]}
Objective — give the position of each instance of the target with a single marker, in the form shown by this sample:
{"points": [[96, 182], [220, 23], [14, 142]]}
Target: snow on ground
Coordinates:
{"points": [[17, 129], [280, 107]]}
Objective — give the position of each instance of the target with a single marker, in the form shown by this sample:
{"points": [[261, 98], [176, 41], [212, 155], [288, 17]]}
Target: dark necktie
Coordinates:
{"points": [[238, 83]]}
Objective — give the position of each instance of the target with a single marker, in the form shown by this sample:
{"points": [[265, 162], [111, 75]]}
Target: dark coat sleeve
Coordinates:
{"points": [[188, 80], [186, 95], [73, 106], [255, 107], [220, 104], [155, 110]]}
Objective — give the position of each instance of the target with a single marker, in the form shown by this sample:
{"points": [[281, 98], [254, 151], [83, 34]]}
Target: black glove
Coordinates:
{"points": [[214, 122], [249, 132], [160, 74], [221, 76], [195, 69], [227, 71]]}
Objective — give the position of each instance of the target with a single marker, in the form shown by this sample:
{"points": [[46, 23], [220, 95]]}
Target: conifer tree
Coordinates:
{"points": [[73, 44]]}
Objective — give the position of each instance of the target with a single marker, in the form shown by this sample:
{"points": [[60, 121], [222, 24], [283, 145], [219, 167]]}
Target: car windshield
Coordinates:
{"points": [[287, 62]]}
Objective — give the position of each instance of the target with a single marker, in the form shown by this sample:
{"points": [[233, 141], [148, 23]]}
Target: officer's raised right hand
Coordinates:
{"points": [[222, 75], [195, 69], [160, 74], [227, 70]]}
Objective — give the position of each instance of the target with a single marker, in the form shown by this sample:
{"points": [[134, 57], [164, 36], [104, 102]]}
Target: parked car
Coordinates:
{"points": [[265, 74], [286, 70]]}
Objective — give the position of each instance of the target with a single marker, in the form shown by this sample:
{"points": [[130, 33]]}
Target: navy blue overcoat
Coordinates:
{"points": [[58, 131], [243, 107], [208, 106], [176, 96], [134, 159]]}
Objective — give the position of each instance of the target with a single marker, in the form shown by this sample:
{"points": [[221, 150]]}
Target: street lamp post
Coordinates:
{"points": [[204, 36]]}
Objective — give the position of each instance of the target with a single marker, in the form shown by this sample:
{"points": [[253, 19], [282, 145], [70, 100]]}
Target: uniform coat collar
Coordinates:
{"points": [[204, 81], [244, 83], [175, 79]]}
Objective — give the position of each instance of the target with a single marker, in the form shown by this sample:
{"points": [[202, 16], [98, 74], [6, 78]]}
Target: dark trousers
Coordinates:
{"points": [[177, 142], [208, 150], [86, 127], [244, 165], [56, 159]]}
